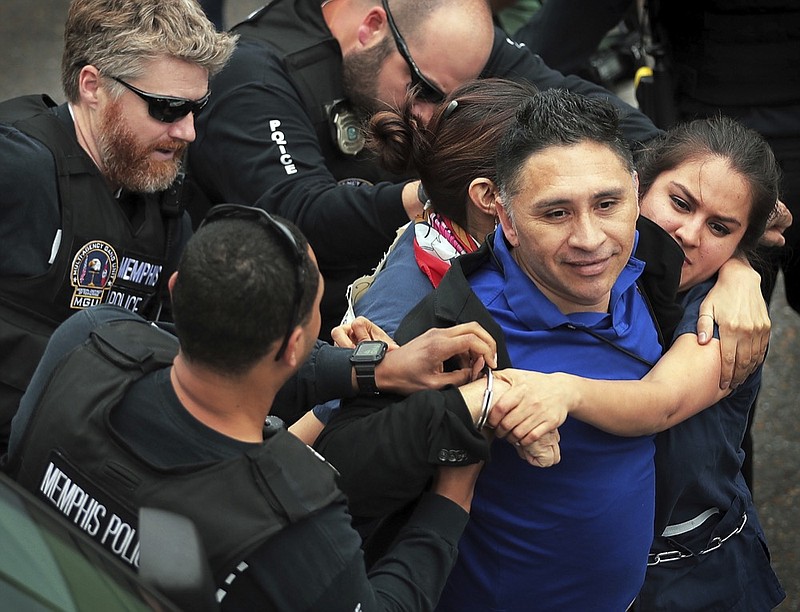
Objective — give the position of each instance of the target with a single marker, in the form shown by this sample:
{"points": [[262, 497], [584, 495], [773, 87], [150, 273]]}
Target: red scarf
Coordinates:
{"points": [[437, 241]]}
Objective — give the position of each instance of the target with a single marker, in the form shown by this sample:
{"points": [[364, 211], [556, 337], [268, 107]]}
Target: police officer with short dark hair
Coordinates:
{"points": [[179, 424]]}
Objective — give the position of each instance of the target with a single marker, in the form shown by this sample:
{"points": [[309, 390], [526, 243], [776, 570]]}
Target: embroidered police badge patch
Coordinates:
{"points": [[92, 273]]}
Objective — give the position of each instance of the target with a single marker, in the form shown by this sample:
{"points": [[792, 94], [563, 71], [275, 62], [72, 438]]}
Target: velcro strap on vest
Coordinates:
{"points": [[293, 479]]}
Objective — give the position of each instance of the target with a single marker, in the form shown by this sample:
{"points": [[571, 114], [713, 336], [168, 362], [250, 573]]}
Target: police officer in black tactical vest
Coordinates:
{"points": [[179, 424]]}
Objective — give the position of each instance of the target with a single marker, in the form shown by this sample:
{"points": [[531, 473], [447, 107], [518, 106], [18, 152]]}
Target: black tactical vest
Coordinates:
{"points": [[101, 258], [74, 460]]}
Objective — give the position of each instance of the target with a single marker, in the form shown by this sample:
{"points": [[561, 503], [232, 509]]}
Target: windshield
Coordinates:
{"points": [[46, 565]]}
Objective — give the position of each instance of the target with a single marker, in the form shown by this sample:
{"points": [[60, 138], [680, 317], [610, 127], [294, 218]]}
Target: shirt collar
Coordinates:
{"points": [[530, 305]]}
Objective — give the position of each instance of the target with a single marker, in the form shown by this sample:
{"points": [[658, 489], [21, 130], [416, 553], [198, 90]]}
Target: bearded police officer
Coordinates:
{"points": [[89, 214]]}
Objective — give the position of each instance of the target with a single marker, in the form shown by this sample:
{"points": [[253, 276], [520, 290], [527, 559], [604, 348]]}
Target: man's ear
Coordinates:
{"points": [[89, 85], [636, 191], [171, 282], [506, 223], [373, 27], [483, 194], [293, 356]]}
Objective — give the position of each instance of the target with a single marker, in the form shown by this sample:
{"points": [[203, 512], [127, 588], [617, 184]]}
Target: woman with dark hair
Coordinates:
{"points": [[712, 184]]}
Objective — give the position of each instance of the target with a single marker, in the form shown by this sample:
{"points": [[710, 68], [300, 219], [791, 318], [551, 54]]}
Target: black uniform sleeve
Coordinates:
{"points": [[317, 564], [326, 375], [257, 146], [515, 61], [387, 448], [29, 208], [566, 33]]}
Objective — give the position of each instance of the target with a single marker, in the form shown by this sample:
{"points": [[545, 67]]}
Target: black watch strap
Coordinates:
{"points": [[365, 376], [366, 356]]}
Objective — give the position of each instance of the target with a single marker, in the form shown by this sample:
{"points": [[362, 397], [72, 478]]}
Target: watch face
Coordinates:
{"points": [[369, 350]]}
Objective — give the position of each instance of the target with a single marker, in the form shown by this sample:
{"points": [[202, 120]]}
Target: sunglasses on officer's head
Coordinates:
{"points": [[262, 217], [166, 108], [425, 89]]}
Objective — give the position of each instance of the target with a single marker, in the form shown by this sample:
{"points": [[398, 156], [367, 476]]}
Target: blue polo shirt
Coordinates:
{"points": [[574, 536]]}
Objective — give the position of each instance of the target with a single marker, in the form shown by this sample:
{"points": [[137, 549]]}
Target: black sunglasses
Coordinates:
{"points": [[261, 216], [166, 108], [425, 89]]}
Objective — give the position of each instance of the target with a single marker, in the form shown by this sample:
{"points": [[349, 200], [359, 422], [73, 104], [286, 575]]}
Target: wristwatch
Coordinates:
{"points": [[366, 356]]}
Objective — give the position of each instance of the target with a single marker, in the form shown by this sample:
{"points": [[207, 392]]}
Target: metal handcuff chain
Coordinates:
{"points": [[676, 555]]}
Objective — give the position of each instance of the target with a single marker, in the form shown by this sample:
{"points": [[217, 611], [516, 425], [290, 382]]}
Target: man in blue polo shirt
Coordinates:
{"points": [[562, 286], [558, 288]]}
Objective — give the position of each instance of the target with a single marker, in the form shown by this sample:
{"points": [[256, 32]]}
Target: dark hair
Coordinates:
{"points": [[555, 117], [746, 151], [458, 144], [235, 291]]}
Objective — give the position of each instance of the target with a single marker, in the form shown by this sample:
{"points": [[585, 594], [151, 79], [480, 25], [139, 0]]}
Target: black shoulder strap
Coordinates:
{"points": [[24, 106], [115, 355], [134, 346], [293, 477], [32, 115]]}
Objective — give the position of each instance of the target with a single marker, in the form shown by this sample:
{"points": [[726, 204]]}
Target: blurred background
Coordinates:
{"points": [[30, 53]]}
